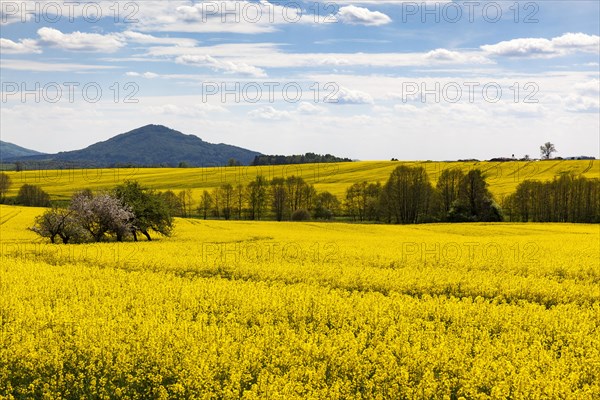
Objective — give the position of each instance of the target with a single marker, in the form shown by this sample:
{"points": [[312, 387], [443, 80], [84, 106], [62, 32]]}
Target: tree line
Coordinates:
{"points": [[567, 198], [280, 199], [407, 197], [308, 158]]}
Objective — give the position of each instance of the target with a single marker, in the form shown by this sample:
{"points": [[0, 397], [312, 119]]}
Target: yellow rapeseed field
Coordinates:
{"points": [[503, 177], [266, 310]]}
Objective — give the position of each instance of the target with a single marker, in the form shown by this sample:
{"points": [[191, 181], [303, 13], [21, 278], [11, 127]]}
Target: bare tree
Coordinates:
{"points": [[546, 150], [216, 202], [256, 193], [278, 198], [206, 202], [227, 197], [62, 223], [448, 189], [239, 198], [408, 193], [186, 199], [5, 184]]}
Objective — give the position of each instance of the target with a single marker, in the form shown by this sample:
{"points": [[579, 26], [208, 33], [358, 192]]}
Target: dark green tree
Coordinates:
{"points": [[408, 194], [33, 196], [475, 203], [149, 208]]}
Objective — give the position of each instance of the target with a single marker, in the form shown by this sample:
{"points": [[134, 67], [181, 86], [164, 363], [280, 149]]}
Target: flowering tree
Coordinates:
{"points": [[102, 214]]}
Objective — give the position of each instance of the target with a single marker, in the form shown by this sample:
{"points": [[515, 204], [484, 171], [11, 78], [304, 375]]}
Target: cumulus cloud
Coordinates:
{"points": [[545, 48], [578, 103], [309, 108], [354, 15], [269, 113], [79, 41], [229, 67], [585, 98], [87, 42], [24, 46], [233, 16], [348, 96], [445, 56], [591, 87]]}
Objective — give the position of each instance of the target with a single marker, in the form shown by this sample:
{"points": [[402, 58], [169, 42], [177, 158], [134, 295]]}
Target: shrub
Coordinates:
{"points": [[301, 215]]}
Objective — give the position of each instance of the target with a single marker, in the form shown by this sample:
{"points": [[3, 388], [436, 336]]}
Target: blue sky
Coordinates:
{"points": [[363, 79]]}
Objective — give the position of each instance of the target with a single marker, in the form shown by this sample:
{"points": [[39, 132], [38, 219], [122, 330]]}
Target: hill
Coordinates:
{"points": [[151, 145], [9, 150]]}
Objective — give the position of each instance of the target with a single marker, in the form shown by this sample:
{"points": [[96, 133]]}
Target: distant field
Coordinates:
{"points": [[502, 177], [303, 310]]}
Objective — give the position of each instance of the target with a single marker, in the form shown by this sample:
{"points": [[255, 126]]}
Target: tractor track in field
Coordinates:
{"points": [[8, 217], [589, 167]]}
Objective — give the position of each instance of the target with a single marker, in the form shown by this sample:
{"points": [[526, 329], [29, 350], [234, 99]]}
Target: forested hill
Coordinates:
{"points": [[150, 145], [9, 150]]}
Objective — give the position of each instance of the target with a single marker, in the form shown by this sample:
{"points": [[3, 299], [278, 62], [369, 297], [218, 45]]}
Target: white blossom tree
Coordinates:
{"points": [[102, 214]]}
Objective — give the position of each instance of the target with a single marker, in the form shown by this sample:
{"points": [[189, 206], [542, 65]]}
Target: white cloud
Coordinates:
{"points": [[24, 46], [147, 75], [334, 61], [79, 41], [309, 108], [141, 38], [545, 48], [354, 15], [586, 97], [269, 113], [88, 42], [348, 96], [37, 66], [442, 56], [578, 41], [591, 87], [229, 67], [193, 111], [231, 16], [578, 103], [271, 55]]}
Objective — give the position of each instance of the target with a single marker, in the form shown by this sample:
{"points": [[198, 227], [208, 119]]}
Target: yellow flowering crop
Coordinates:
{"points": [[266, 310]]}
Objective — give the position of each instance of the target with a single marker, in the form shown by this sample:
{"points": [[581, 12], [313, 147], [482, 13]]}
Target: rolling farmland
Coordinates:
{"points": [[503, 177], [303, 310]]}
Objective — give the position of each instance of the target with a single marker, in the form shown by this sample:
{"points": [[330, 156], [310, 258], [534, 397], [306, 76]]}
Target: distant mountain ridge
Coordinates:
{"points": [[10, 150], [150, 145]]}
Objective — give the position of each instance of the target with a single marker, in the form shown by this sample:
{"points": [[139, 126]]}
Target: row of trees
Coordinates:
{"points": [[124, 213], [297, 159], [567, 198], [280, 198], [408, 197]]}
